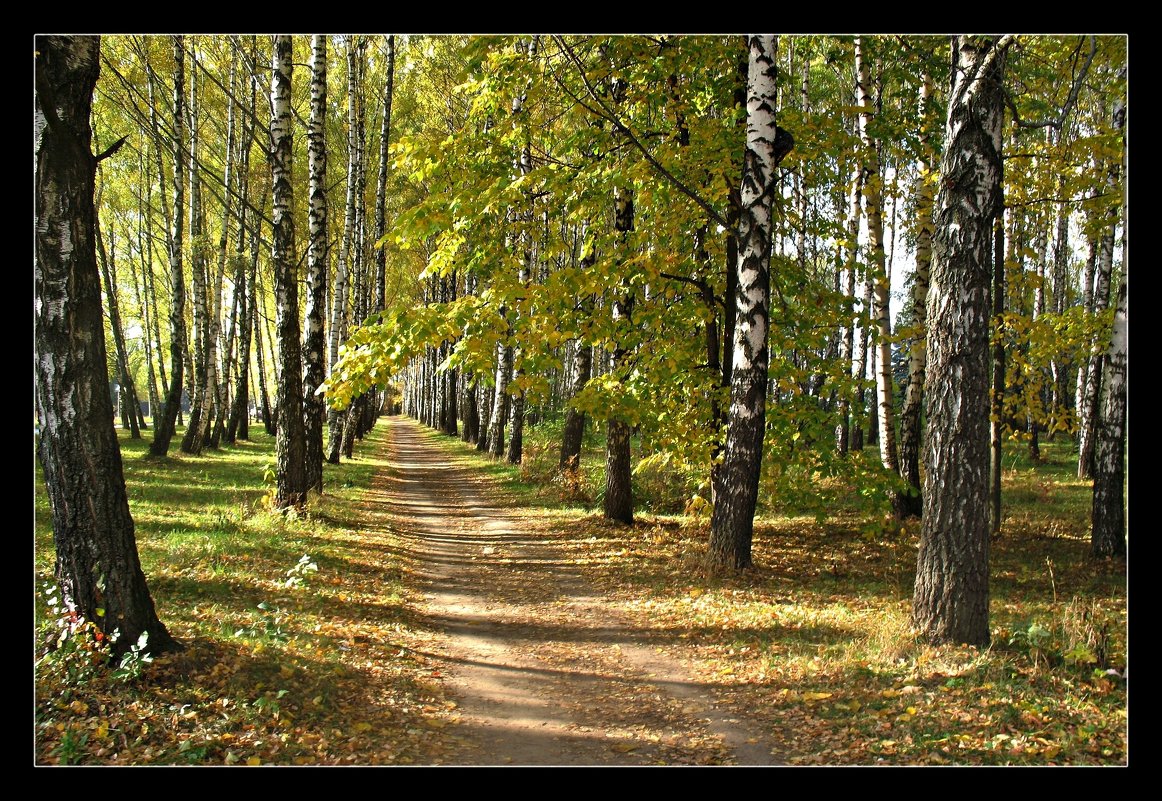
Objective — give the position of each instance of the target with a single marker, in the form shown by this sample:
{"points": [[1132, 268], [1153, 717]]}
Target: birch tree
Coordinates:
{"points": [[878, 277], [163, 430], [951, 600], [317, 265], [290, 443], [736, 494], [97, 565]]}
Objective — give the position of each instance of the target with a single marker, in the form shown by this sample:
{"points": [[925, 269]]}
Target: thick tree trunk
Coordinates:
{"points": [[163, 429], [736, 492], [500, 401], [1109, 515], [951, 600], [97, 565], [290, 444], [314, 411], [1109, 463], [484, 404], [618, 502], [574, 431]]}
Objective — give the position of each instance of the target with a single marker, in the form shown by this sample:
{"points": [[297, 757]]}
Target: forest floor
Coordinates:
{"points": [[440, 609]]}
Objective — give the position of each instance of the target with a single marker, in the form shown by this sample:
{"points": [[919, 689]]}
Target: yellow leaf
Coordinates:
{"points": [[1051, 751], [624, 748], [360, 727], [890, 693], [253, 761], [694, 593], [816, 696], [911, 710]]}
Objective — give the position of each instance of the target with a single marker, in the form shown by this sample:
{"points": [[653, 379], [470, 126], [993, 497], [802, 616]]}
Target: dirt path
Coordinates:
{"points": [[544, 671]]}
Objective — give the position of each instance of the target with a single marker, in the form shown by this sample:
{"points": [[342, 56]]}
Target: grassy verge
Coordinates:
{"points": [[297, 628]]}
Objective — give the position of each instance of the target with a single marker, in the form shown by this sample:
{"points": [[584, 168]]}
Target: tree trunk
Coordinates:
{"points": [[109, 272], [880, 277], [499, 416], [195, 437], [220, 373], [912, 505], [1084, 431], [290, 444], [1089, 403], [239, 425], [97, 565], [847, 349], [951, 600], [736, 492], [314, 411], [268, 421], [1109, 492], [484, 404], [163, 429], [574, 432], [381, 183], [1109, 513], [997, 396]]}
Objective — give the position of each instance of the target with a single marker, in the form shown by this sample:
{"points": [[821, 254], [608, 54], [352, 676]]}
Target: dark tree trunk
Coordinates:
{"points": [[471, 428], [951, 600], [97, 565], [574, 432], [290, 443], [618, 502]]}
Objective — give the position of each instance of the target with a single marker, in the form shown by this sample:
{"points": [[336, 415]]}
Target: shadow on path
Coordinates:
{"points": [[543, 668]]}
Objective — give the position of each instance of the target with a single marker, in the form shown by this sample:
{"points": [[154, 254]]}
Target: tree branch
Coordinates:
{"points": [[1070, 100], [607, 114], [113, 148]]}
